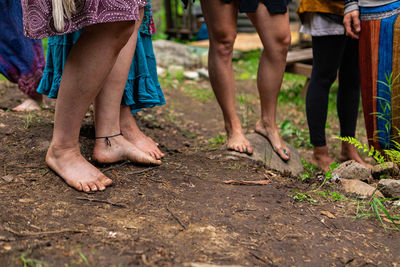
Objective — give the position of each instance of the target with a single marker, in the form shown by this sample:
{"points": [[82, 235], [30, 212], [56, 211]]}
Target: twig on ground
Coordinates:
{"points": [[153, 180], [103, 201], [141, 171], [257, 257], [115, 166], [259, 182], [43, 233], [176, 218]]}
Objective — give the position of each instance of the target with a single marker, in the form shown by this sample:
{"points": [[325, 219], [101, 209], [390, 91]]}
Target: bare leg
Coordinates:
{"points": [[107, 113], [133, 134], [274, 32], [349, 152], [30, 104], [221, 22], [83, 78]]}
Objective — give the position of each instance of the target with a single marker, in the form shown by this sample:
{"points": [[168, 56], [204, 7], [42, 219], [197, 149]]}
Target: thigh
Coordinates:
{"points": [[327, 54], [221, 19], [272, 28]]}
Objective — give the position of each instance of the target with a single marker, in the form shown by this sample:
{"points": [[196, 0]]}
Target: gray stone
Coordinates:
{"points": [[203, 72], [263, 152], [175, 70], [359, 188], [168, 52], [204, 59], [388, 169], [390, 187], [191, 75], [8, 178], [161, 71], [352, 170]]}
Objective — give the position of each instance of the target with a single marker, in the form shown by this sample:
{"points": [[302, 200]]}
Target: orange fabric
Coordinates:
{"points": [[322, 6], [396, 82], [368, 58]]}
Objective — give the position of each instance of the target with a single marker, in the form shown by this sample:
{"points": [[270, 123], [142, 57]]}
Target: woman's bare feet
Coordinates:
{"points": [[321, 158], [349, 152], [142, 142], [119, 149], [272, 135], [29, 104], [133, 134], [76, 170], [239, 143]]}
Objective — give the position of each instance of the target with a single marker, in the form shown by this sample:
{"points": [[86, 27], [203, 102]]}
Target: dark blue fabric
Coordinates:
{"points": [[380, 9], [21, 59], [384, 98], [142, 89]]}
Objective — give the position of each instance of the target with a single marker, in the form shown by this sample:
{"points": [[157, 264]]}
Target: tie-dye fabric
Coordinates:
{"points": [[38, 19], [21, 59], [380, 70]]}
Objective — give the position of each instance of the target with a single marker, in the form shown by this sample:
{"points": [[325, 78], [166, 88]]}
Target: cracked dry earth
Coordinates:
{"points": [[178, 214]]}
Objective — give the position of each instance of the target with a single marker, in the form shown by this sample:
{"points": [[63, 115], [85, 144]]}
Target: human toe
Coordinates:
{"points": [[93, 187]]}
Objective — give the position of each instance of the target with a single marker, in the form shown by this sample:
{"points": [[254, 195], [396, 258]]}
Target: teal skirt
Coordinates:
{"points": [[142, 89]]}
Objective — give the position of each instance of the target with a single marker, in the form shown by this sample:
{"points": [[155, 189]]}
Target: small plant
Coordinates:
{"points": [[30, 262], [300, 136], [83, 257], [372, 152], [215, 142], [246, 109], [332, 195], [309, 170], [375, 208], [300, 197], [28, 120]]}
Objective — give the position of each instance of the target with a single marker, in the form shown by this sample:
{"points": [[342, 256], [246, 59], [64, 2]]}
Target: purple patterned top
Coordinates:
{"points": [[38, 20]]}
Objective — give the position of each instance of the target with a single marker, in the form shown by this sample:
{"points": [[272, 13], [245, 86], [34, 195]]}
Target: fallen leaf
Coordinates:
{"points": [[8, 178], [235, 182], [25, 200], [328, 214]]}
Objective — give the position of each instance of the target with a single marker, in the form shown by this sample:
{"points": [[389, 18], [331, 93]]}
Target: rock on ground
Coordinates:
{"points": [[175, 70], [263, 152], [388, 169], [389, 187], [171, 53], [191, 75], [352, 170], [360, 188]]}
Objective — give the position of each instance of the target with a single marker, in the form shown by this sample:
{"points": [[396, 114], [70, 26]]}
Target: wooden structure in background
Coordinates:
{"points": [[180, 23]]}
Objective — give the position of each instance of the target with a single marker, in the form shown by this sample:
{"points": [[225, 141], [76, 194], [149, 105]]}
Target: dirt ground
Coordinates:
{"points": [[178, 213]]}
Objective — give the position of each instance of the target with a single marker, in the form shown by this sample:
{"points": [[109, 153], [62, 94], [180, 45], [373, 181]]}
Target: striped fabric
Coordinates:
{"points": [[380, 73]]}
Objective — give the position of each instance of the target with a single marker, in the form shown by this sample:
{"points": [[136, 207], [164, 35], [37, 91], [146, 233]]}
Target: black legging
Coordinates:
{"points": [[331, 53]]}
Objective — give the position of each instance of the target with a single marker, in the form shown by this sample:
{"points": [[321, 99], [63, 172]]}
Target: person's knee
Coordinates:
{"points": [[283, 42], [223, 45]]}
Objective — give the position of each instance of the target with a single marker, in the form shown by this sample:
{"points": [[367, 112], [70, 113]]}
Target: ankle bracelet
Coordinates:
{"points": [[107, 138]]}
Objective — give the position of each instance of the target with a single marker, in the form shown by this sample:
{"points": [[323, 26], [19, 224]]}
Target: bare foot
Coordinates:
{"points": [[239, 143], [272, 135], [349, 152], [321, 158], [76, 170], [120, 149], [133, 134], [142, 142], [29, 104]]}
